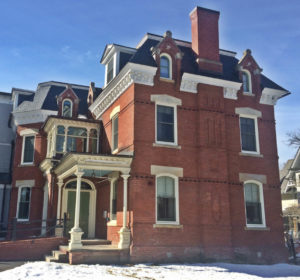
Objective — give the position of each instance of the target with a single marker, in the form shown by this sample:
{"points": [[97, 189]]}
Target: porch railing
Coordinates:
{"points": [[15, 230]]}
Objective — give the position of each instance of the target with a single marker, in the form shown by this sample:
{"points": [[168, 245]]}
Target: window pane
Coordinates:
{"points": [[110, 71], [165, 124], [253, 204], [24, 201], [28, 149], [115, 126], [60, 140], [77, 131], [67, 109], [166, 210], [245, 82], [164, 67], [61, 130], [248, 134]]}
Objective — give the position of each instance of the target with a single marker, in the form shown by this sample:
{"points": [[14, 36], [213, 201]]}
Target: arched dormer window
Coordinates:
{"points": [[67, 108], [246, 77], [165, 66]]}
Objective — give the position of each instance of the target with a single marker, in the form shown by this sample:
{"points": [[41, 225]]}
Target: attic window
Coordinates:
{"points": [[165, 66], [246, 77], [67, 108], [110, 71]]}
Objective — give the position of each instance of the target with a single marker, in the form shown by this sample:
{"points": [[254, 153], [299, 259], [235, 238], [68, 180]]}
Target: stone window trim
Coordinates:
{"points": [[261, 197], [250, 114], [169, 58], [32, 134], [20, 187], [168, 101]]}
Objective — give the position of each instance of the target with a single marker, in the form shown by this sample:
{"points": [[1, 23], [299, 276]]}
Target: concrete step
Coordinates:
{"points": [[95, 242], [58, 256]]}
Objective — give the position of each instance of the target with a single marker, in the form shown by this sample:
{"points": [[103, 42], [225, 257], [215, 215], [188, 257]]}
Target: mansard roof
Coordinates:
{"points": [[143, 56], [45, 97]]}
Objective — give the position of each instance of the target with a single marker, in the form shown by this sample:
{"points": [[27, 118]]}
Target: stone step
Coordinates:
{"points": [[95, 242]]}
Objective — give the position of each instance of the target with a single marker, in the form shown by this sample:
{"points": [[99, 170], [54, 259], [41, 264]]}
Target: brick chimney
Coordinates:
{"points": [[205, 38]]}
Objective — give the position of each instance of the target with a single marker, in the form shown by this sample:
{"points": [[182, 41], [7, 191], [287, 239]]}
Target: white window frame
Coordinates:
{"points": [[169, 101], [249, 82], [261, 196], [256, 134], [170, 66], [176, 186], [114, 114], [62, 108], [23, 149], [19, 197]]}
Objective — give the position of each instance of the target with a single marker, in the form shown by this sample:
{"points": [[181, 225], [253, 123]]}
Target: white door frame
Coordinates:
{"points": [[92, 208]]}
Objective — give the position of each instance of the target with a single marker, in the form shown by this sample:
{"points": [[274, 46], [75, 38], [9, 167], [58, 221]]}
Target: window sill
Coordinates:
{"points": [[167, 80], [167, 146], [112, 223], [263, 228], [26, 164], [115, 151], [251, 154], [167, 226], [248, 94]]}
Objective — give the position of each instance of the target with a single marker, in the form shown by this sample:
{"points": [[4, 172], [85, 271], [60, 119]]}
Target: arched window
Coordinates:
{"points": [[165, 66], [67, 108], [246, 81], [255, 213], [166, 199]]}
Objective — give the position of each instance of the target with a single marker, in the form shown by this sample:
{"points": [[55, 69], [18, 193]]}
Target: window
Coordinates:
{"points": [[23, 203], [253, 194], [167, 199], [76, 139], [28, 149], [248, 134], [246, 81], [115, 132], [165, 67], [165, 124], [60, 139], [110, 71], [113, 202], [93, 141], [67, 108]]}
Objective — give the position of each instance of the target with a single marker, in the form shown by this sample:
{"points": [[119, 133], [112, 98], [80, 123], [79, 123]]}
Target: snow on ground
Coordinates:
{"points": [[223, 271]]}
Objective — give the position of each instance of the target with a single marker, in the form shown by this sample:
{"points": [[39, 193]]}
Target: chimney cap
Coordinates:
{"points": [[168, 33], [204, 9], [248, 51]]}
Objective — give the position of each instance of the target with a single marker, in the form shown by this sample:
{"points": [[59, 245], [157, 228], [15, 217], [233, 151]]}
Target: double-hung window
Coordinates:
{"points": [[67, 108], [23, 203], [246, 77], [249, 130], [166, 119], [113, 200], [254, 204], [165, 66], [110, 70], [115, 133], [28, 149]]}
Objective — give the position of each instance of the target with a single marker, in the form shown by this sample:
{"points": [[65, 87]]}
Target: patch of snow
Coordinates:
{"points": [[224, 271]]}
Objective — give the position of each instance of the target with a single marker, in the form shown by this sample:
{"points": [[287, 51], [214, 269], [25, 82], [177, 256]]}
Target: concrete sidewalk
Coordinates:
{"points": [[9, 265]]}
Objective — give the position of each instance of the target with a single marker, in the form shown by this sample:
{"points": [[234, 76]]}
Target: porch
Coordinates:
{"points": [[79, 193]]}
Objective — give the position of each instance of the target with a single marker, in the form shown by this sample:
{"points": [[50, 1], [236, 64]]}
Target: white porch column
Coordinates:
{"points": [[58, 214], [76, 232], [124, 232]]}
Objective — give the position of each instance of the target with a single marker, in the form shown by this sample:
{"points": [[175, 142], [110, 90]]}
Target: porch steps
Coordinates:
{"points": [[62, 255]]}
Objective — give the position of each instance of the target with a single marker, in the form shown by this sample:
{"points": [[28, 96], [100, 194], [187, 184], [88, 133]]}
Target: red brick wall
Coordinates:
{"points": [[29, 250]]}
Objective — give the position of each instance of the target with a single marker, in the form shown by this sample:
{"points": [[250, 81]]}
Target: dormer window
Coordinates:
{"points": [[67, 108], [110, 71], [246, 82], [165, 66]]}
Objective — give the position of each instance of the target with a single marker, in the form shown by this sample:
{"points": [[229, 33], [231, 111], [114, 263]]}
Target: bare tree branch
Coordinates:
{"points": [[294, 138]]}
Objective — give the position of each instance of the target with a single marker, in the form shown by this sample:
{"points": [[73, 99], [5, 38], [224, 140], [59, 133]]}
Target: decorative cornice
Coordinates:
{"points": [[130, 74], [270, 96], [189, 83]]}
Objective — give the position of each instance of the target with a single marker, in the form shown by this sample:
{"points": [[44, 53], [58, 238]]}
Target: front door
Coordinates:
{"points": [[84, 211]]}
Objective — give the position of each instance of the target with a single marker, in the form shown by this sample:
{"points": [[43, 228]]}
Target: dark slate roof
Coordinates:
{"points": [[50, 102], [144, 56], [25, 97], [5, 178], [5, 93]]}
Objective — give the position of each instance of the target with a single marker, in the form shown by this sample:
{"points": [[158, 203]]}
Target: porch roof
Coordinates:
{"points": [[73, 162]]}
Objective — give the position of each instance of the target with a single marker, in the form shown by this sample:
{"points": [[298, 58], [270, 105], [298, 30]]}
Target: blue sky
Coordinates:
{"points": [[63, 40]]}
